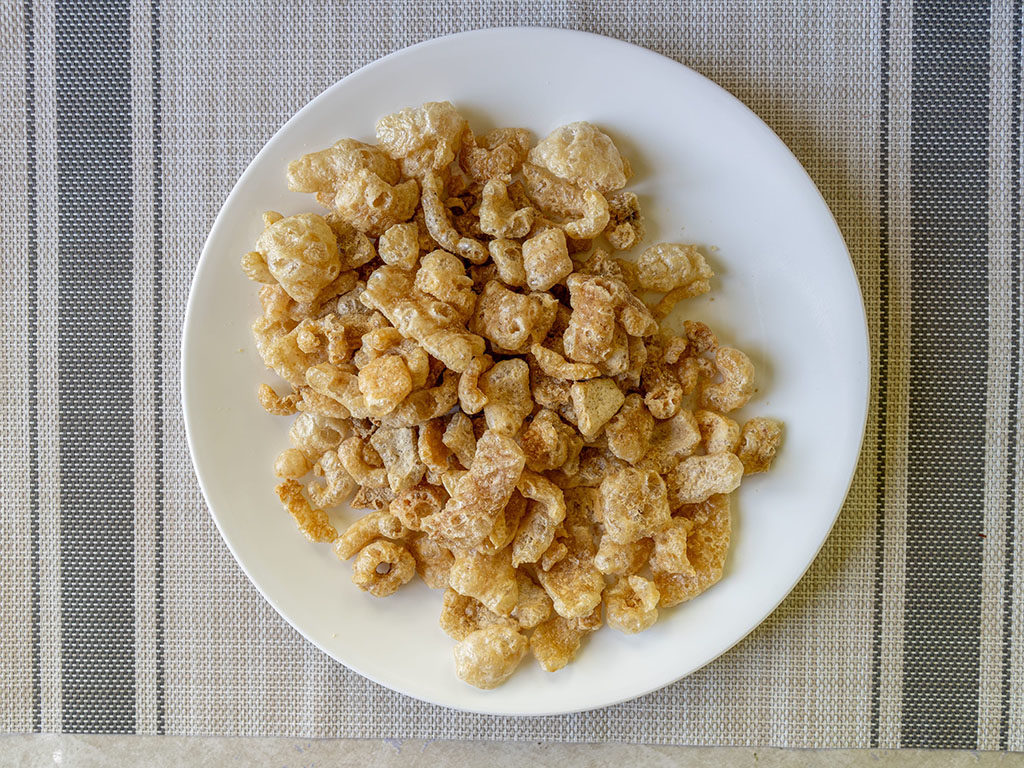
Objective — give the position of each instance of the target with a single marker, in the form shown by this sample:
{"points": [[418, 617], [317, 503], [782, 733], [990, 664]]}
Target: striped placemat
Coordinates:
{"points": [[125, 125]]}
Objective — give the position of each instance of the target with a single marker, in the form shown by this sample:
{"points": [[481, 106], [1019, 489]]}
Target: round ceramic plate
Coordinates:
{"points": [[708, 171]]}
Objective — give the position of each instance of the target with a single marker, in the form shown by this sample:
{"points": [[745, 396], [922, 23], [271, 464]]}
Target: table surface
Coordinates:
{"points": [[126, 125], [68, 751]]}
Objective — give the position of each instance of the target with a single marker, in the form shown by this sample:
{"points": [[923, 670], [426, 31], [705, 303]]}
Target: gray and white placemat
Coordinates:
{"points": [[124, 127]]}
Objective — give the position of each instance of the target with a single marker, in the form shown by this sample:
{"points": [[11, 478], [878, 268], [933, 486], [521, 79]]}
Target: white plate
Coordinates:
{"points": [[708, 171]]}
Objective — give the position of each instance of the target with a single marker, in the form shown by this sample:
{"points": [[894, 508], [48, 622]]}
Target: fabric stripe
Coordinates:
{"points": [[32, 254], [1000, 364], [882, 372], [893, 554], [158, 351], [145, 444], [96, 462], [949, 178], [47, 319], [1016, 323]]}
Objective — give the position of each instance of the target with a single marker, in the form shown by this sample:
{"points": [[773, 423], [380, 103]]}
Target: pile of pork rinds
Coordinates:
{"points": [[469, 367]]}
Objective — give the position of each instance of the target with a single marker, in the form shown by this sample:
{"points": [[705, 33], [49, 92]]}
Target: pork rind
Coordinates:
{"points": [[574, 584], [462, 615], [549, 443], [487, 657], [676, 269], [301, 253], [512, 321], [697, 478], [413, 504], [507, 256], [373, 206], [616, 559], [663, 391], [336, 486], [706, 549], [669, 553], [583, 155], [634, 504], [471, 397], [506, 387], [490, 579], [631, 604], [320, 172], [588, 337], [546, 259], [399, 246], [443, 277], [436, 325], [718, 433], [555, 642], [505, 525], [534, 605], [499, 153], [553, 364], [382, 566], [313, 523], [275, 404], [537, 529], [424, 138], [440, 226], [595, 402], [313, 435], [625, 227], [672, 440], [586, 210], [291, 464], [737, 382], [479, 495], [629, 431], [499, 216], [433, 560], [460, 438], [758, 443]]}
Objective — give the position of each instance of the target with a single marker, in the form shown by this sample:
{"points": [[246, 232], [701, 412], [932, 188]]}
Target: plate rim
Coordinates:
{"points": [[187, 329]]}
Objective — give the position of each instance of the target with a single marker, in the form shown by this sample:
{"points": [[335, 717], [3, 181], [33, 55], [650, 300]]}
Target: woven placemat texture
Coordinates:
{"points": [[126, 124]]}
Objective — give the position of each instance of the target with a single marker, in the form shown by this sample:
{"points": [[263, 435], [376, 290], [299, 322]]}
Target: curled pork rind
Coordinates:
{"points": [[499, 216], [462, 615], [424, 138], [440, 227], [382, 566], [492, 389], [583, 155], [487, 657], [758, 443], [706, 549]]}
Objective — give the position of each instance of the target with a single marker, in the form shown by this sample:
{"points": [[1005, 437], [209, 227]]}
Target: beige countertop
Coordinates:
{"points": [[30, 751]]}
